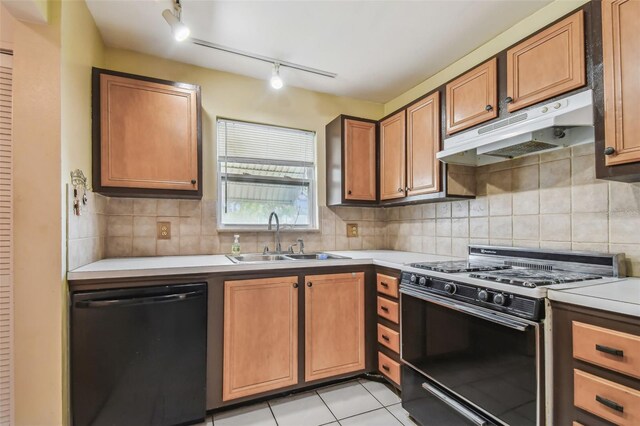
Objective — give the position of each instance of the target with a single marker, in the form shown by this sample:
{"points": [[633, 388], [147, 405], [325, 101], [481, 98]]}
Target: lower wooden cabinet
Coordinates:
{"points": [[334, 325], [260, 336]]}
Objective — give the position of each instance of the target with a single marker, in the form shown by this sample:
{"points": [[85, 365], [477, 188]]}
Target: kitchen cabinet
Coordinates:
{"points": [[472, 98], [621, 60], [547, 64], [260, 336], [388, 325], [423, 142], [393, 156], [146, 136], [351, 161], [334, 324], [596, 366]]}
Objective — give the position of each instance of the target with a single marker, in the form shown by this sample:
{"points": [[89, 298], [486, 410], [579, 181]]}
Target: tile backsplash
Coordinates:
{"points": [[550, 200]]}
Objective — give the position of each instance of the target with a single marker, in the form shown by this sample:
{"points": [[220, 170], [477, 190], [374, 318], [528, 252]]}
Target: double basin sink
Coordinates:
{"points": [[257, 257]]}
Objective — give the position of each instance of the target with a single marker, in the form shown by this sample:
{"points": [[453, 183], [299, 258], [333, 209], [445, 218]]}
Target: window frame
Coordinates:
{"points": [[313, 183]]}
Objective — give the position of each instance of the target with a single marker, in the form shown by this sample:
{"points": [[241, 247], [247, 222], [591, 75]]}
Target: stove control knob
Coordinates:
{"points": [[499, 299], [483, 295], [422, 281], [450, 288], [412, 278]]}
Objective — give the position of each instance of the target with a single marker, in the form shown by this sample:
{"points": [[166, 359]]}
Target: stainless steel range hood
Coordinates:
{"points": [[561, 123]]}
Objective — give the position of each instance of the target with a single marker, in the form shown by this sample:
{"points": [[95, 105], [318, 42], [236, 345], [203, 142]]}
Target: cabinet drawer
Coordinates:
{"points": [[608, 400], [389, 338], [389, 367], [388, 285], [388, 309], [607, 348]]}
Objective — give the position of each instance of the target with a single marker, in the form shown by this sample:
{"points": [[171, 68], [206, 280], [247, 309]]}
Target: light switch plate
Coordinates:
{"points": [[164, 230], [352, 230]]}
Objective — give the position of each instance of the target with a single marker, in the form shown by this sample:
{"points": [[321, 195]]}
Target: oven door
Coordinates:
{"points": [[485, 359]]}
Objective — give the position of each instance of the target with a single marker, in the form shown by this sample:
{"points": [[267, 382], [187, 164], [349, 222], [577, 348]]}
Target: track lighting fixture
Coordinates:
{"points": [[180, 31], [276, 80]]}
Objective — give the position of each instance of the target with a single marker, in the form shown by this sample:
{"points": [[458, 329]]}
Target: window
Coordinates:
{"points": [[264, 168]]}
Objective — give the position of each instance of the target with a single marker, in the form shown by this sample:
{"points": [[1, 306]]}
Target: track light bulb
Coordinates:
{"points": [[276, 80], [180, 31]]}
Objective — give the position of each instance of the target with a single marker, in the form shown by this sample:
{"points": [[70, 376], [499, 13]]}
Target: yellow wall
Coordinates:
{"points": [[234, 96], [532, 23], [38, 283]]}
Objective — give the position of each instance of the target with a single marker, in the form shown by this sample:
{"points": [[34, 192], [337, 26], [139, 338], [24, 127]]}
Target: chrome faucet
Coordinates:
{"points": [[278, 248]]}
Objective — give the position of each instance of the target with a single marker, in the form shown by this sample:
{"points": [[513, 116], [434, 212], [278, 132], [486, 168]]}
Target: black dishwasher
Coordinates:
{"points": [[138, 355]]}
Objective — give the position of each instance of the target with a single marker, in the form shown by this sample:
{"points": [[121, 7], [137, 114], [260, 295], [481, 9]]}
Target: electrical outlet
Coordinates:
{"points": [[352, 230], [164, 230]]}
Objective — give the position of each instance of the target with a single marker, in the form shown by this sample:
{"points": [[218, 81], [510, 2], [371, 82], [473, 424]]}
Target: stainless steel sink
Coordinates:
{"points": [[291, 257], [248, 258]]}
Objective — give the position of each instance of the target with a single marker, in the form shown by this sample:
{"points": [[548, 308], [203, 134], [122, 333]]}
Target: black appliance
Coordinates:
{"points": [[138, 355], [473, 352]]}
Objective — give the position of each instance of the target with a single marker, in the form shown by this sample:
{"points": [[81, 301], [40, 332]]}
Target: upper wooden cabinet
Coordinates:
{"points": [[621, 58], [423, 142], [351, 161], [359, 160], [392, 157], [334, 325], [147, 136], [548, 64], [472, 98], [260, 336]]}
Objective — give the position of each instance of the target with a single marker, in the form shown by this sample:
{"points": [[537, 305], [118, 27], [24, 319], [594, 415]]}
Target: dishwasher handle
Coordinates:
{"points": [[165, 298]]}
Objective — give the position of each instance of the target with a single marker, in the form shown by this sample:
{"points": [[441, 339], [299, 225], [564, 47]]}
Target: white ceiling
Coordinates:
{"points": [[379, 49]]}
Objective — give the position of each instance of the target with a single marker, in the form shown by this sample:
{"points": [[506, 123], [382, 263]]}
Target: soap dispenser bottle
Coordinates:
{"points": [[235, 247]]}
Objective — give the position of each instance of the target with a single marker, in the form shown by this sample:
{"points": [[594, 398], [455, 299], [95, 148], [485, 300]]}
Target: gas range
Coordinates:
{"points": [[507, 279]]}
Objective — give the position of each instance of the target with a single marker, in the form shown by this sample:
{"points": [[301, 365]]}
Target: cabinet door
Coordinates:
{"points": [[260, 336], [148, 134], [392, 157], [334, 325], [548, 64], [359, 160], [621, 56], [423, 142], [472, 98]]}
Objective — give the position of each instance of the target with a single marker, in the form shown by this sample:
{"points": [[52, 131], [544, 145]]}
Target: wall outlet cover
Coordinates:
{"points": [[352, 230], [164, 231]]}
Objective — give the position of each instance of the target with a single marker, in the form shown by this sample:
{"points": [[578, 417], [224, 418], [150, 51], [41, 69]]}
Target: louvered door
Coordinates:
{"points": [[6, 240]]}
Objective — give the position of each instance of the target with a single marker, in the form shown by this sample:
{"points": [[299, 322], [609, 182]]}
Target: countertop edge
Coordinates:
{"points": [[607, 305]]}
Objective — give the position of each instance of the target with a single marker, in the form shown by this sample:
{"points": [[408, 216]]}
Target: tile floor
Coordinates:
{"points": [[354, 403]]}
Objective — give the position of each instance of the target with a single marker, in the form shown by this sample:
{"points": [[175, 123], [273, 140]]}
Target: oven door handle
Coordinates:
{"points": [[489, 316], [455, 405]]}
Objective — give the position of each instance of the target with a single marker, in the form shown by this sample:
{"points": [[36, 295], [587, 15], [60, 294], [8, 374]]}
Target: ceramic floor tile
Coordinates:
{"points": [[348, 399], [306, 409], [255, 415], [382, 392], [401, 414], [379, 417]]}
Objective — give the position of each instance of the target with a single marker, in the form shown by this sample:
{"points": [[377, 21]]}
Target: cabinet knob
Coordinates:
{"points": [[407, 189], [349, 192], [309, 284], [508, 100], [400, 189], [193, 181], [488, 108], [609, 150], [295, 285]]}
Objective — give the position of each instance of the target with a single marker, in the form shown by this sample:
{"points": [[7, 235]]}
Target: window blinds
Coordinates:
{"points": [[6, 240]]}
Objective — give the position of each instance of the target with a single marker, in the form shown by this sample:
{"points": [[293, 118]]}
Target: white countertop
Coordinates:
{"points": [[132, 267], [622, 296]]}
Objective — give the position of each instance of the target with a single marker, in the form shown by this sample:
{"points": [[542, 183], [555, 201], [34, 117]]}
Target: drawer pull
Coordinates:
{"points": [[610, 351], [385, 337], [383, 284], [384, 308], [385, 367], [608, 403]]}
